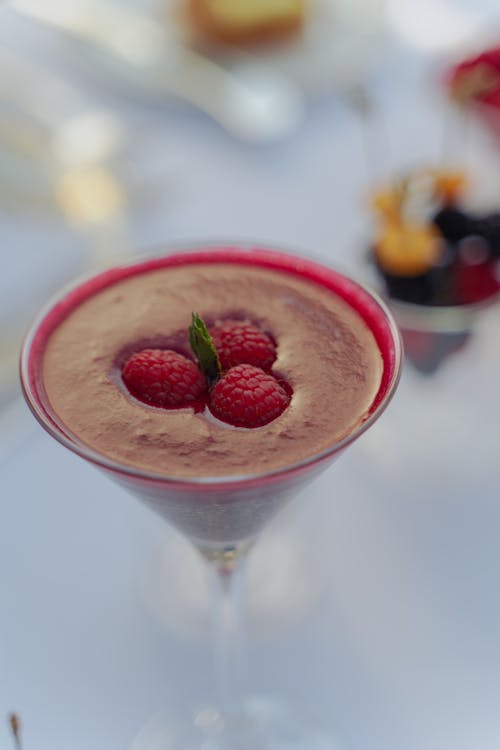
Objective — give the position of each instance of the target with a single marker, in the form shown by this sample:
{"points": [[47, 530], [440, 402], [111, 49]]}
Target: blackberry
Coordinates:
{"points": [[488, 227], [453, 224]]}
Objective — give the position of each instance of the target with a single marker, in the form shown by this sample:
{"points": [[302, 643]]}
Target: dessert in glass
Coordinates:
{"points": [[473, 84], [437, 259], [214, 383]]}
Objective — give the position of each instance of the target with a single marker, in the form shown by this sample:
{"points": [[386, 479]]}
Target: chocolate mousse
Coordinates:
{"points": [[325, 351]]}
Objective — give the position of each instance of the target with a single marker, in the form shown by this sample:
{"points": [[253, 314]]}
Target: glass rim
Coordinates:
{"points": [[208, 482]]}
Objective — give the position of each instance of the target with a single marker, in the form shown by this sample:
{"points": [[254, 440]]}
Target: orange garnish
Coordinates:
{"points": [[408, 250], [449, 185], [388, 204]]}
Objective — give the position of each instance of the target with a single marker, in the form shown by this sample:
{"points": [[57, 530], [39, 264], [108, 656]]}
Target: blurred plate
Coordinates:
{"points": [[340, 41]]}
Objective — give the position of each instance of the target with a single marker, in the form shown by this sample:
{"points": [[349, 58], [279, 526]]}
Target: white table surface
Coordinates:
{"points": [[374, 598]]}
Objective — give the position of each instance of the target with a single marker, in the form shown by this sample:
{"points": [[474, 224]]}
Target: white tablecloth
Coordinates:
{"points": [[387, 631]]}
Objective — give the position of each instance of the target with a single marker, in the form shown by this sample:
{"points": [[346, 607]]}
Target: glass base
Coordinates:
{"points": [[265, 724]]}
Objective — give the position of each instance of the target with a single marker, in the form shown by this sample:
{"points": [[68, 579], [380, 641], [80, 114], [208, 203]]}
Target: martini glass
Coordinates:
{"points": [[221, 516]]}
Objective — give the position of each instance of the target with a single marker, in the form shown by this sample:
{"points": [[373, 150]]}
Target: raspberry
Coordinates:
{"points": [[246, 396], [474, 271], [165, 378], [239, 342]]}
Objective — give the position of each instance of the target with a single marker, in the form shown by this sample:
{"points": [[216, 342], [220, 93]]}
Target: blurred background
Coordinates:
{"points": [[128, 126]]}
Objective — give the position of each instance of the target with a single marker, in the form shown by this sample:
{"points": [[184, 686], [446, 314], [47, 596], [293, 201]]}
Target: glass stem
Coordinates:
{"points": [[227, 578]]}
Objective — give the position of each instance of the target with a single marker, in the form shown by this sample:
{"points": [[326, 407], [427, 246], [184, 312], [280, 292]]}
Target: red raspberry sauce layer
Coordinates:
{"points": [[325, 352]]}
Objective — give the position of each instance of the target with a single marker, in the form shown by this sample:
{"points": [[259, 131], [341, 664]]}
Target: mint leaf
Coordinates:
{"points": [[204, 350]]}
